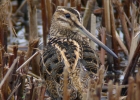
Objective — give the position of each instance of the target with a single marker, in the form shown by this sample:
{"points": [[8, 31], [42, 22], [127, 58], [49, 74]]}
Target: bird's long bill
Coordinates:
{"points": [[93, 38]]}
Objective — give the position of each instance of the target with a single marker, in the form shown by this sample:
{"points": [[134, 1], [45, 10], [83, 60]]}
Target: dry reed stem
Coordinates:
{"points": [[21, 59], [93, 28], [128, 21], [130, 89], [1, 62], [42, 93], [137, 86], [15, 49], [33, 75], [73, 3], [32, 44], [36, 92], [103, 39], [98, 11], [1, 95], [110, 90], [98, 92], [123, 22], [132, 65], [20, 7], [5, 88], [101, 75], [9, 71], [22, 87], [3, 19], [113, 31], [107, 16], [44, 21], [35, 63], [11, 59], [27, 61], [88, 11], [55, 3], [121, 43], [61, 2], [118, 92], [10, 50], [32, 20], [78, 5], [13, 91], [107, 21], [5, 15], [33, 37], [134, 19], [65, 2], [133, 49], [49, 12]]}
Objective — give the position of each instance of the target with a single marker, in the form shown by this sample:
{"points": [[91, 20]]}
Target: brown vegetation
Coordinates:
{"points": [[19, 69]]}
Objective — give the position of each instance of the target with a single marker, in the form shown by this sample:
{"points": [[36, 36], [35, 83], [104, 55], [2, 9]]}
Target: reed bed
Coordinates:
{"points": [[118, 26]]}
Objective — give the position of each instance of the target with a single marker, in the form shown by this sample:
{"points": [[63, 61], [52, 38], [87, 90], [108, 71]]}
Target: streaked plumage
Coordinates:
{"points": [[68, 48]]}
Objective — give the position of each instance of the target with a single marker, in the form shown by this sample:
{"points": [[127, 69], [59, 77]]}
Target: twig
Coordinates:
{"points": [[129, 23], [9, 71], [19, 8], [27, 61], [13, 91], [121, 43], [33, 75]]}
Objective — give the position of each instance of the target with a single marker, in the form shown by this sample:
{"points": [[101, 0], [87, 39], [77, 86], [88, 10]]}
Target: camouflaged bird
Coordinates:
{"points": [[68, 47]]}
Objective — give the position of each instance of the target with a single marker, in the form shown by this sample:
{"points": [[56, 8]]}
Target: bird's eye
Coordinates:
{"points": [[67, 15]]}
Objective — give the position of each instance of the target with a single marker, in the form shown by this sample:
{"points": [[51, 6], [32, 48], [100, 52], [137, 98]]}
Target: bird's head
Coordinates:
{"points": [[67, 21]]}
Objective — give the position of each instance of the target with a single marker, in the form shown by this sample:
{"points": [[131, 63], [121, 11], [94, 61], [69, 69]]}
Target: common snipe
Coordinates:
{"points": [[68, 48]]}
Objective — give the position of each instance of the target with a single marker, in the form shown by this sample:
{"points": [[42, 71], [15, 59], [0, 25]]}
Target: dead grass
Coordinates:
{"points": [[18, 82]]}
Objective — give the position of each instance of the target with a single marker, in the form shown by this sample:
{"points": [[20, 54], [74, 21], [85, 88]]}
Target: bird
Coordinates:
{"points": [[68, 48]]}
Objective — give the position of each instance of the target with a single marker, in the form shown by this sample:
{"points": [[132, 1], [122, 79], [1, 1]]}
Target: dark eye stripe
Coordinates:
{"points": [[74, 12]]}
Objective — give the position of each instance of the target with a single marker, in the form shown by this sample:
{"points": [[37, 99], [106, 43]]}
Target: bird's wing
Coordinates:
{"points": [[60, 54], [89, 64]]}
